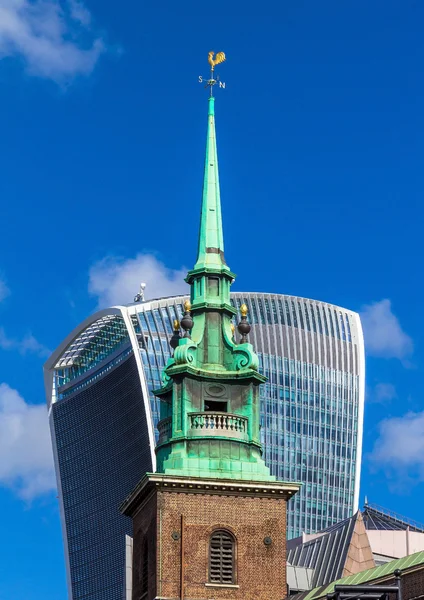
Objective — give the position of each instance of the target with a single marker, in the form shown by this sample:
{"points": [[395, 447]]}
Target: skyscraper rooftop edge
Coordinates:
{"points": [[116, 308], [241, 292]]}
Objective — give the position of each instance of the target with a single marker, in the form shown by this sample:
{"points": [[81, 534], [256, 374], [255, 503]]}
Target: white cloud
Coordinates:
{"points": [[399, 449], [6, 343], [53, 37], [26, 460], [4, 290], [116, 281], [383, 334], [79, 12], [384, 392], [29, 344]]}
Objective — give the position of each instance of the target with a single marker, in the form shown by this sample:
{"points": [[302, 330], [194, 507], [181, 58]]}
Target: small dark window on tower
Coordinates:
{"points": [[221, 558], [215, 406]]}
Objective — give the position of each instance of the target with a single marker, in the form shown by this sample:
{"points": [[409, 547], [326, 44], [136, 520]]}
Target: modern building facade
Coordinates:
{"points": [[103, 419]]}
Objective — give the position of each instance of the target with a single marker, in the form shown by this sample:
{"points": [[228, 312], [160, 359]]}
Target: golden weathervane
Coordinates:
{"points": [[213, 60], [219, 58]]}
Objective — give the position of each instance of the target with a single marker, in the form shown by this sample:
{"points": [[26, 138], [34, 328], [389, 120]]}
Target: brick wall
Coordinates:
{"points": [[260, 569], [145, 536], [412, 584]]}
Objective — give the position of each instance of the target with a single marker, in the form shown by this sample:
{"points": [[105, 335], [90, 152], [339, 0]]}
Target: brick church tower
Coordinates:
{"points": [[211, 522]]}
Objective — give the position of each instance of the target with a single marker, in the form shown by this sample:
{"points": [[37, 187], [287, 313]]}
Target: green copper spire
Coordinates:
{"points": [[210, 392], [211, 239], [207, 290]]}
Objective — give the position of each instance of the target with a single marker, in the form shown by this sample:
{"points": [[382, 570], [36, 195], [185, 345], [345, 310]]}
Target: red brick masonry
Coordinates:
{"points": [[251, 511]]}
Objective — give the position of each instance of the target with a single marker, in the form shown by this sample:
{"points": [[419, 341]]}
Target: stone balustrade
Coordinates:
{"points": [[217, 423], [208, 424]]}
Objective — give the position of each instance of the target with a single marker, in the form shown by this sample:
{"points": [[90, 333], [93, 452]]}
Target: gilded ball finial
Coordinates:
{"points": [[187, 320], [244, 310], [243, 327], [175, 339]]}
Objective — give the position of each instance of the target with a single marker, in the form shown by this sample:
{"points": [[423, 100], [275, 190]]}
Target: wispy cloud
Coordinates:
{"points": [[399, 449], [26, 461], [4, 290], [27, 345], [384, 336], [115, 280], [384, 393], [79, 12], [54, 38]]}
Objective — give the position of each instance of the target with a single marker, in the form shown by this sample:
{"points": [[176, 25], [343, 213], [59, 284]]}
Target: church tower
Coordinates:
{"points": [[211, 522]]}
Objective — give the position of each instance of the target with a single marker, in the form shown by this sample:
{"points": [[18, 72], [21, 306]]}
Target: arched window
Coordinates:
{"points": [[221, 557]]}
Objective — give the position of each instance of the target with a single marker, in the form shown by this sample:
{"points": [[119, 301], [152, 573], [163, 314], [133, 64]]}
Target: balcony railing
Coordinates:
{"points": [[165, 429], [217, 423]]}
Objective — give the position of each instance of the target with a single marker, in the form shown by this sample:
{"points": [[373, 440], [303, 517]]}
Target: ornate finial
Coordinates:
{"points": [[187, 321], [175, 339], [219, 58], [243, 327]]}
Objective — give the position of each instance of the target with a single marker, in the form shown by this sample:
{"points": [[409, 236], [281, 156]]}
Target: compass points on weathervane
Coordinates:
{"points": [[213, 60]]}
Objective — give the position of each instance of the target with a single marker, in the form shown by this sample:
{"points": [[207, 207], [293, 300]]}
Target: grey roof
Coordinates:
{"points": [[326, 554], [376, 517]]}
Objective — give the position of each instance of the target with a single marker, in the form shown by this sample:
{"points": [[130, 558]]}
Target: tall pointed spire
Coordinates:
{"points": [[210, 264], [211, 239], [210, 393]]}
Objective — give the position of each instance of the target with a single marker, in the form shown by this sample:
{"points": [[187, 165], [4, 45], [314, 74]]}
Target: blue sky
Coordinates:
{"points": [[103, 121]]}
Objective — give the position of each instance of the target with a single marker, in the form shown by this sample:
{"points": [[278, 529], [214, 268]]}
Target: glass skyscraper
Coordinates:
{"points": [[103, 419]]}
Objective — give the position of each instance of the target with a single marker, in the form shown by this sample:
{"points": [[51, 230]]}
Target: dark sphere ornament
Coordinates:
{"points": [[175, 339], [267, 541], [175, 536], [243, 327], [187, 320]]}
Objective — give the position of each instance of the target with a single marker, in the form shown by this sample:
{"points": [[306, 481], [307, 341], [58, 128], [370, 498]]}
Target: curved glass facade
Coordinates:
{"points": [[100, 440], [311, 406]]}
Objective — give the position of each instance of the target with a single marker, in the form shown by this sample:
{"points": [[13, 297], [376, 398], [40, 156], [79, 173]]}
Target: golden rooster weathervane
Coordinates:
{"points": [[219, 58]]}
